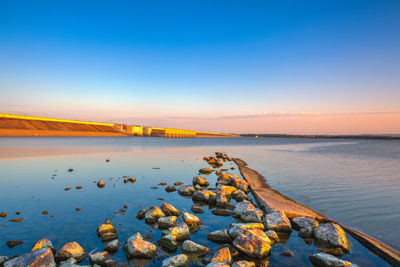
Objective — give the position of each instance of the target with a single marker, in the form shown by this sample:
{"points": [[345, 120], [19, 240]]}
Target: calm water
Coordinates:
{"points": [[355, 182]]}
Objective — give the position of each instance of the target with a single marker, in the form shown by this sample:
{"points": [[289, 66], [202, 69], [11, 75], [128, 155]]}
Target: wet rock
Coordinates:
{"points": [[180, 260], [223, 179], [112, 246], [249, 225], [126, 206], [227, 190], [218, 264], [153, 214], [67, 188], [78, 187], [71, 250], [207, 258], [277, 221], [191, 220], [136, 247], [190, 247], [170, 210], [14, 243], [105, 228], [327, 260], [3, 214], [70, 170], [205, 171], [107, 160], [204, 196], [236, 231], [243, 264], [170, 188], [221, 212], [338, 252], [181, 232], [273, 236], [253, 243], [141, 214], [218, 173], [69, 263], [186, 190], [101, 184], [240, 196], [287, 253], [108, 263], [168, 242], [153, 187], [306, 232], [16, 220], [219, 236], [201, 181], [129, 180], [162, 183], [38, 258], [160, 198], [303, 222], [196, 209], [178, 183], [99, 257], [222, 255], [331, 235], [43, 243], [167, 222], [45, 212], [247, 212], [78, 208], [107, 237], [221, 200]]}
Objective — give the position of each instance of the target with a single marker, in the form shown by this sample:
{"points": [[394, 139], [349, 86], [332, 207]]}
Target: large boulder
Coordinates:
{"points": [[136, 247], [71, 250], [190, 247], [326, 260], [37, 258], [169, 210], [186, 190], [247, 212], [204, 196], [220, 236], [331, 235], [167, 222], [303, 222], [43, 243], [201, 181], [253, 243], [154, 214], [277, 221], [222, 255], [180, 260], [181, 232]]}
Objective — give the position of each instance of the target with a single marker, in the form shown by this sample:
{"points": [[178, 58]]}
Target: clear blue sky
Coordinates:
{"points": [[205, 64]]}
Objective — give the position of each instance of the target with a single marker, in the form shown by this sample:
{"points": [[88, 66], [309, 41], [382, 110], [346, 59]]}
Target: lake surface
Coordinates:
{"points": [[356, 182]]}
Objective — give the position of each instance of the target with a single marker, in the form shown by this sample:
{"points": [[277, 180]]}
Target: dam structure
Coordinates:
{"points": [[21, 125]]}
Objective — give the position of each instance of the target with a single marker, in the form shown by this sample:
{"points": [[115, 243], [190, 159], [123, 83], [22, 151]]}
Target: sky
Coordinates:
{"points": [[294, 67]]}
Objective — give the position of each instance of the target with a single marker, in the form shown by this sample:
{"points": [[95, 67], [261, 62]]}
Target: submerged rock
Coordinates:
{"points": [[170, 210], [71, 250], [14, 243], [154, 214], [327, 260], [277, 221], [141, 214], [196, 209], [38, 258], [190, 247], [222, 255], [186, 190], [219, 236], [331, 235], [287, 253], [221, 212], [180, 260], [136, 247], [43, 243]]}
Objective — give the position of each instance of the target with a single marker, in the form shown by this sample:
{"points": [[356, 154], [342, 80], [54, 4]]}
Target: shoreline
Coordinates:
{"points": [[269, 200], [361, 137]]}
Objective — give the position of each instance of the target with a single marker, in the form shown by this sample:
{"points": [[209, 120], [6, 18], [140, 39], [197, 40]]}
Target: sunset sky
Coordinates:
{"points": [[307, 67]]}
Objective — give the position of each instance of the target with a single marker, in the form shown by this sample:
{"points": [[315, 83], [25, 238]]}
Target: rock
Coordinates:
{"points": [[71, 250], [303, 222], [247, 212], [253, 243], [221, 212], [38, 258], [109, 263], [287, 253], [240, 196], [219, 236], [180, 260], [196, 209], [338, 252], [112, 246], [3, 214], [69, 263], [181, 232], [227, 190], [190, 219], [130, 180], [221, 200], [101, 184], [78, 208], [105, 228], [205, 171], [249, 225], [273, 236], [331, 235], [201, 181], [153, 214], [126, 206], [236, 231], [218, 264], [326, 260], [162, 183], [186, 190], [99, 257], [43, 243], [141, 214], [204, 196], [3, 259], [277, 221], [45, 212], [67, 188], [243, 264], [178, 183], [218, 173], [167, 222], [107, 237], [70, 170], [78, 187], [136, 247], [169, 210], [190, 247], [168, 242], [14, 243], [223, 179], [170, 188], [306, 232], [222, 255]]}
